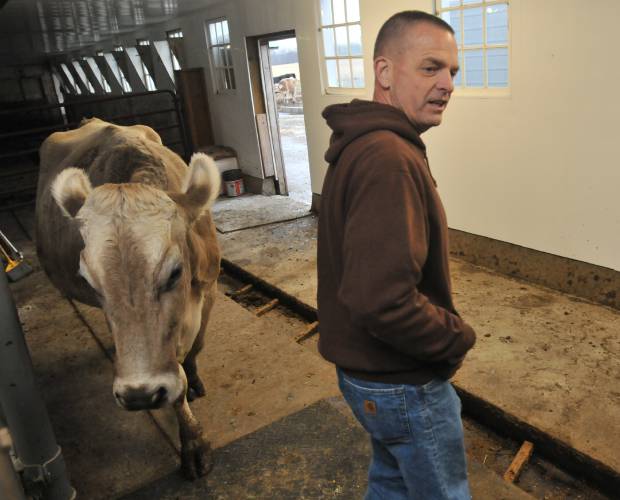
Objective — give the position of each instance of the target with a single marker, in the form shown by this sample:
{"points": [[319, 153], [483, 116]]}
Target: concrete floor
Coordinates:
{"points": [[545, 358], [272, 409]]}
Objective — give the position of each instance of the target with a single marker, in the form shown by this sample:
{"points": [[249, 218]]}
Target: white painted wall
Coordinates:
{"points": [[535, 168], [539, 168]]}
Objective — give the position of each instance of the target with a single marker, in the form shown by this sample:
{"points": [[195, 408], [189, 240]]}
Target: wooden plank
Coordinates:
{"points": [[521, 458], [264, 140], [308, 332], [267, 307], [241, 291]]}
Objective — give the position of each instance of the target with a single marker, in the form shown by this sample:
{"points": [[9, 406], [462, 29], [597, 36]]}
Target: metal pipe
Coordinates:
{"points": [[10, 485], [35, 445]]}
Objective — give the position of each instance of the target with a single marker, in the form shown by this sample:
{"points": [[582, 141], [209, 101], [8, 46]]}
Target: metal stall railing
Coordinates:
{"points": [[22, 409], [19, 149]]}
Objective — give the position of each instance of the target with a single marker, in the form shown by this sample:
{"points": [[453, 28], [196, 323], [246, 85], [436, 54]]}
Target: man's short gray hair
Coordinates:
{"points": [[393, 28]]}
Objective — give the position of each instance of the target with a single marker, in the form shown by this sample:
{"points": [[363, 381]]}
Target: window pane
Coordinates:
{"points": [[326, 12], [215, 53], [332, 73], [449, 3], [453, 18], [221, 79], [227, 79], [212, 37], [344, 67], [338, 11], [353, 11], [355, 39], [358, 72], [228, 54], [497, 66], [342, 45], [328, 42], [474, 76], [458, 79], [233, 84], [472, 26], [465, 2], [218, 32], [226, 35], [497, 23]]}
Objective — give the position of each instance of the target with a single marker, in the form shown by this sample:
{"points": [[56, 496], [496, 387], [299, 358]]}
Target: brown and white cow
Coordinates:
{"points": [[287, 89], [124, 224]]}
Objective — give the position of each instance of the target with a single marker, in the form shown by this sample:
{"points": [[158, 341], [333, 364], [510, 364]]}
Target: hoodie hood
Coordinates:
{"points": [[352, 120]]}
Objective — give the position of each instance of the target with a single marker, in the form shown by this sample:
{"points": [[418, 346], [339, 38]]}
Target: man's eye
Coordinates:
{"points": [[429, 69]]}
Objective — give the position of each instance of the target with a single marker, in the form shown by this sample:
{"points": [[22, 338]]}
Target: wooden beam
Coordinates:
{"points": [[241, 291], [521, 458], [267, 307], [308, 332]]}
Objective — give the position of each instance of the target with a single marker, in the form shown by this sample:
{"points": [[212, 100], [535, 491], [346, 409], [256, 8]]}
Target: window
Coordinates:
{"points": [[97, 73], [116, 69], [70, 78], [342, 43], [220, 55], [147, 78], [481, 31], [175, 39], [83, 77]]}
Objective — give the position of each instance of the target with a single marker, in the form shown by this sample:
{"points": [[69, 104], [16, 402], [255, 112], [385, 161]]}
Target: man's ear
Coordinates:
{"points": [[383, 72], [70, 190], [202, 186]]}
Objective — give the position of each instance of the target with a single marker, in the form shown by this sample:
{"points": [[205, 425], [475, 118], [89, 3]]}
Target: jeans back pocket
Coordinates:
{"points": [[381, 411]]}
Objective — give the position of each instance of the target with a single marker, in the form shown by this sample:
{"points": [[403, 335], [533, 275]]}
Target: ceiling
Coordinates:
{"points": [[35, 29]]}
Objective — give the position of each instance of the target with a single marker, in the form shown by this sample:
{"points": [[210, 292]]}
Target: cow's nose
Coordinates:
{"points": [[141, 397]]}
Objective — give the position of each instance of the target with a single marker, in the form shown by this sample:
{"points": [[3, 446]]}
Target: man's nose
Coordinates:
{"points": [[445, 82]]}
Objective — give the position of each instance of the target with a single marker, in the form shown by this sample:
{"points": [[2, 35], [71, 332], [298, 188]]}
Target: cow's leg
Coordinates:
{"points": [[196, 453], [195, 387]]}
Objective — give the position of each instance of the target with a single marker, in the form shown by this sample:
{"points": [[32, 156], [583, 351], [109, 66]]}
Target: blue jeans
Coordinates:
{"points": [[417, 438]]}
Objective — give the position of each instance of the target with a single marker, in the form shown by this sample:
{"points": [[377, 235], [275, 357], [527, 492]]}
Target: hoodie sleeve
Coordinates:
{"points": [[385, 245]]}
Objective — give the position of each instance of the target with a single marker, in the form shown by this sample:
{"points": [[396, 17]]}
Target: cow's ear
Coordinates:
{"points": [[202, 185], [70, 190]]}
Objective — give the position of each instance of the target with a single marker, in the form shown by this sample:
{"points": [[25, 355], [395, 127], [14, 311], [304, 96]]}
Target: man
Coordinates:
{"points": [[385, 306]]}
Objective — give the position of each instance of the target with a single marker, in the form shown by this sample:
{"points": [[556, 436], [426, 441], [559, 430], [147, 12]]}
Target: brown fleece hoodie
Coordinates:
{"points": [[384, 295]]}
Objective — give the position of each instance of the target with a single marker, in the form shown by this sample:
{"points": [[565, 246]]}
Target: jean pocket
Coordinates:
{"points": [[382, 412]]}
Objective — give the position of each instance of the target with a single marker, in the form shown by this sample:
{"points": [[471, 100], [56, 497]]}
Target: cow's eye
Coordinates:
{"points": [[173, 279]]}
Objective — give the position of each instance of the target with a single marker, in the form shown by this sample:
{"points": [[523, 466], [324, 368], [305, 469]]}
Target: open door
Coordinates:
{"points": [[268, 127], [278, 106]]}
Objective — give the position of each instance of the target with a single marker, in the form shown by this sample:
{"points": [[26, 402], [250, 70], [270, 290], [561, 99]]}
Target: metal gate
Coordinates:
{"points": [[20, 142]]}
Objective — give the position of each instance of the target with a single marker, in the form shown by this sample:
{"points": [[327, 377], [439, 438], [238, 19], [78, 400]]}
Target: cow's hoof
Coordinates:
{"points": [[196, 459], [195, 389]]}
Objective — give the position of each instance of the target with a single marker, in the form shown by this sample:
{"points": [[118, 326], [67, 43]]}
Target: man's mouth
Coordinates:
{"points": [[438, 103]]}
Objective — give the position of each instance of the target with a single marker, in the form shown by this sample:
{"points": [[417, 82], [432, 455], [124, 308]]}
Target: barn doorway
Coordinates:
{"points": [[281, 125]]}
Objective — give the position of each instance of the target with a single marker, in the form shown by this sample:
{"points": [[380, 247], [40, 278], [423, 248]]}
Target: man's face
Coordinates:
{"points": [[421, 77]]}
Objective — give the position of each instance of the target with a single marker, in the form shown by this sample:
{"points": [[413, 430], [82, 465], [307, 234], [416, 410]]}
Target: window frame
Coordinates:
{"points": [[174, 35], [327, 89], [149, 80], [215, 69], [484, 90]]}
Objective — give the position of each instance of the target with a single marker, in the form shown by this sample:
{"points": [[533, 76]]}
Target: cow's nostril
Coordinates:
{"points": [[119, 398], [159, 395]]}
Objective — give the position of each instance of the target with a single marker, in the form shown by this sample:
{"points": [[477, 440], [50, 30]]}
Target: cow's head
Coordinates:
{"points": [[148, 266]]}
